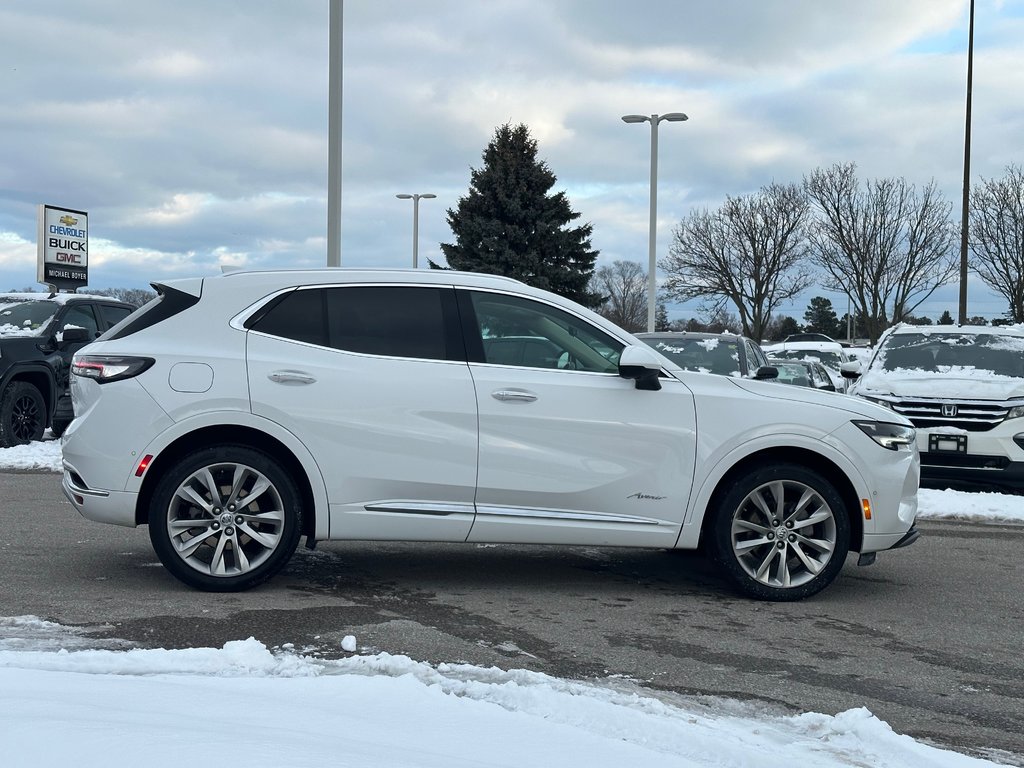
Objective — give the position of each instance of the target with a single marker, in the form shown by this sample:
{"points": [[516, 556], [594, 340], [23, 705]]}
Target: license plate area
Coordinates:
{"points": [[947, 443]]}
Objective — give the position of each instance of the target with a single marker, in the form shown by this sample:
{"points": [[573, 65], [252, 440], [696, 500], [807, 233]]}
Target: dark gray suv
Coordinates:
{"points": [[38, 335]]}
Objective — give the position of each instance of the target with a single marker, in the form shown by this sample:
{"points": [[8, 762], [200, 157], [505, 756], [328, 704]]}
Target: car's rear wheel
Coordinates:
{"points": [[225, 518], [22, 414], [781, 532]]}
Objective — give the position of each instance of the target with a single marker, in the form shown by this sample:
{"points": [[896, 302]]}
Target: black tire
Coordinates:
{"points": [[22, 414], [59, 426], [206, 539], [780, 551]]}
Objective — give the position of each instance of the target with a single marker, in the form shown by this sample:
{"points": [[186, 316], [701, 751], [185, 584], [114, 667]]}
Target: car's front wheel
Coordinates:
{"points": [[22, 414], [225, 518], [781, 532]]}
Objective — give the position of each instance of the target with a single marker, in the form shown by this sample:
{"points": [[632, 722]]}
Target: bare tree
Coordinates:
{"points": [[134, 296], [751, 253], [884, 243], [997, 237], [623, 287]]}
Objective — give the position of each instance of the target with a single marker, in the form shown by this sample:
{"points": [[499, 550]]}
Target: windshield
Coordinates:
{"points": [[830, 359], [966, 353], [24, 318], [701, 355]]}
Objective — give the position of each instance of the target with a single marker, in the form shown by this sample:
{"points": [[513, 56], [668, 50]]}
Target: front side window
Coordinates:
{"points": [[531, 334], [81, 316], [755, 358]]}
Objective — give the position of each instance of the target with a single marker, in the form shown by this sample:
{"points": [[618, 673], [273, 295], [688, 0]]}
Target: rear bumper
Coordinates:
{"points": [[117, 507]]}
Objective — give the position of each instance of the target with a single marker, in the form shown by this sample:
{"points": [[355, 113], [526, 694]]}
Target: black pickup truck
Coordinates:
{"points": [[38, 335]]}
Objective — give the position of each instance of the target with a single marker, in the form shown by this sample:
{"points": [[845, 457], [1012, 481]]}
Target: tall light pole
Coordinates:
{"points": [[334, 136], [415, 222], [964, 214], [653, 236]]}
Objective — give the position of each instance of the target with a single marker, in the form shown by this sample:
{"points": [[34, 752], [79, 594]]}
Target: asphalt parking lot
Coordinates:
{"points": [[928, 638]]}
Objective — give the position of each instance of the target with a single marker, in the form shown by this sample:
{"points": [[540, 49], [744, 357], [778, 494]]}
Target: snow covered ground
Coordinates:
{"points": [[63, 701]]}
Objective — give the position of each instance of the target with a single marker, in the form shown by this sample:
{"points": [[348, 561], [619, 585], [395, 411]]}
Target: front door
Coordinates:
{"points": [[571, 452]]}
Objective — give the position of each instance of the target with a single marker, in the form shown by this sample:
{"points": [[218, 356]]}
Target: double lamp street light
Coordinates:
{"points": [[673, 117], [415, 222]]}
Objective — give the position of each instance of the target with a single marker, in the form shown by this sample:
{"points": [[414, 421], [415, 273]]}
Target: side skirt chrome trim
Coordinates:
{"points": [[564, 516], [442, 509]]}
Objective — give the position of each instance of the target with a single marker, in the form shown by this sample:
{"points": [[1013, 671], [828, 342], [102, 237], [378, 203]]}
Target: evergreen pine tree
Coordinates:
{"points": [[508, 224]]}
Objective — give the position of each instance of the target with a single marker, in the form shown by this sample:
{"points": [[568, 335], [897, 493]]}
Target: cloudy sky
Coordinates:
{"points": [[195, 133]]}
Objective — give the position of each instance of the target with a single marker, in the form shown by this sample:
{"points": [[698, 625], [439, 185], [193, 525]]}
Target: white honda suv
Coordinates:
{"points": [[235, 414]]}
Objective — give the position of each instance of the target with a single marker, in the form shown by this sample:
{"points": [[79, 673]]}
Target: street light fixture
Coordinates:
{"points": [[673, 117], [415, 221]]}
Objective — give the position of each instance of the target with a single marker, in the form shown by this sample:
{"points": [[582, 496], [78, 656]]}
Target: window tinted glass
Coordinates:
{"points": [[25, 317], [517, 331], [711, 354], [298, 315], [80, 316], [113, 315], [397, 321]]}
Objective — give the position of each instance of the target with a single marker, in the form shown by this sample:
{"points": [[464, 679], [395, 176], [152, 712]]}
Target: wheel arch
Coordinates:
{"points": [[39, 376], [250, 437], [803, 457]]}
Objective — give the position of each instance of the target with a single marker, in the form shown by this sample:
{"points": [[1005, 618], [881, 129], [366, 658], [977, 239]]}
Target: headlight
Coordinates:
{"points": [[1016, 412], [890, 436], [876, 401]]}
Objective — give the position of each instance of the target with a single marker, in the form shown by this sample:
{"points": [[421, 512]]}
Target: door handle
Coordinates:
{"points": [[293, 378], [513, 395]]}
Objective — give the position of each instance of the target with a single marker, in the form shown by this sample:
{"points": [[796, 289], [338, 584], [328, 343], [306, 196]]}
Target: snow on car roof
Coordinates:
{"points": [[59, 298]]}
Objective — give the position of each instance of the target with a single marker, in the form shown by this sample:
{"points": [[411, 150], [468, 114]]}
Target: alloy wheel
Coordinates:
{"points": [[783, 533], [225, 519]]}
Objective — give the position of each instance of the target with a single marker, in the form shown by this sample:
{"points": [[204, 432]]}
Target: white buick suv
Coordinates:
{"points": [[235, 414]]}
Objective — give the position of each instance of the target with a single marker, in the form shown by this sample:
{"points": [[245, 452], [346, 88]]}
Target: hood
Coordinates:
{"points": [[855, 406], [948, 386]]}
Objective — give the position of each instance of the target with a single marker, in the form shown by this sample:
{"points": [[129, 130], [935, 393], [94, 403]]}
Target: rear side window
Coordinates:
{"points": [[397, 321], [298, 316], [392, 321], [168, 303], [112, 314]]}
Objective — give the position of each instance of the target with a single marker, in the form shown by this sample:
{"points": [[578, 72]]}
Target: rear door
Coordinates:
{"points": [[373, 380]]}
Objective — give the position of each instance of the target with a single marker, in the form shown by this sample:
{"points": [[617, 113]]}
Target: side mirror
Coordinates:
{"points": [[766, 372], [643, 365], [74, 335], [850, 370]]}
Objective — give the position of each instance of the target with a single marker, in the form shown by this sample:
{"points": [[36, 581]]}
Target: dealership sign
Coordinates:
{"points": [[63, 247]]}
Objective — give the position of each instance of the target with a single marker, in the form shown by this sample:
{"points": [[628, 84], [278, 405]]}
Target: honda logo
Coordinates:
{"points": [[949, 410]]}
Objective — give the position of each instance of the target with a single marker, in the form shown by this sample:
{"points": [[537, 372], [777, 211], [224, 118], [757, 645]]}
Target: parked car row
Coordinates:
{"points": [[235, 414]]}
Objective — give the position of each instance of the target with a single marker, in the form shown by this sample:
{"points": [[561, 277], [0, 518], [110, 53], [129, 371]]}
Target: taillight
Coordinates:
{"points": [[107, 368]]}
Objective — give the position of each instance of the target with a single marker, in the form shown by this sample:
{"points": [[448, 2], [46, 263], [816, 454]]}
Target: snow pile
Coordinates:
{"points": [[245, 703]]}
